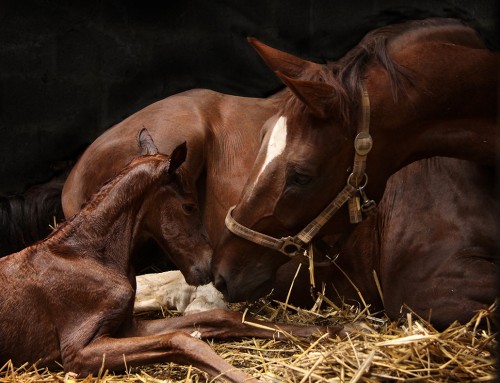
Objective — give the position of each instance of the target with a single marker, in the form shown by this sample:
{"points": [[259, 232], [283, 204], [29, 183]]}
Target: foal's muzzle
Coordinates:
{"points": [[200, 272]]}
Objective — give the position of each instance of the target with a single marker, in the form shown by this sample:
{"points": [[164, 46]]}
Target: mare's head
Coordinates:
{"points": [[306, 157], [315, 174], [169, 211]]}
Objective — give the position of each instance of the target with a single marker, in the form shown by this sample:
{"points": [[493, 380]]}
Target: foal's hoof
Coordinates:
{"points": [[70, 377], [358, 327], [311, 331], [339, 331]]}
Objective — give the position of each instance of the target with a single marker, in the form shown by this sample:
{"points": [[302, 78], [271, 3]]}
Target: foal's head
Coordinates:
{"points": [[169, 212]]}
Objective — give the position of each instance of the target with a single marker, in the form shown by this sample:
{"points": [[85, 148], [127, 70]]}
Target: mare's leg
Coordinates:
{"points": [[438, 240], [178, 347]]}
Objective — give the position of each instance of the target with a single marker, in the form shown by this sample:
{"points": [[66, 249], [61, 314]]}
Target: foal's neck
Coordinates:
{"points": [[106, 229]]}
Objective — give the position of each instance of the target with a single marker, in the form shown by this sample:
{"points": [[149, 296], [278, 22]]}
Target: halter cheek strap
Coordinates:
{"points": [[353, 192], [296, 245], [358, 178]]}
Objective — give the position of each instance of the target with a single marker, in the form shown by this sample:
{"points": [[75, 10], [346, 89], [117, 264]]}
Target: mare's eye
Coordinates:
{"points": [[301, 179], [188, 208]]}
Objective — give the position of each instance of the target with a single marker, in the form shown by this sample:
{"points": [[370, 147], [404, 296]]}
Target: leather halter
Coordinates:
{"points": [[351, 193]]}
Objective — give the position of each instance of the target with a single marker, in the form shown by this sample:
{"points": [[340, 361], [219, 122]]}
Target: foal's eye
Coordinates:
{"points": [[188, 208], [301, 179]]}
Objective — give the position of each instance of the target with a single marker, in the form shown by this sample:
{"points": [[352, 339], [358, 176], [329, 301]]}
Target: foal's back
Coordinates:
{"points": [[24, 306], [45, 296]]}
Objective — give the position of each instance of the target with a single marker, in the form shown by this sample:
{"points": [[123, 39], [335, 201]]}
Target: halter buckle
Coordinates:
{"points": [[363, 143]]}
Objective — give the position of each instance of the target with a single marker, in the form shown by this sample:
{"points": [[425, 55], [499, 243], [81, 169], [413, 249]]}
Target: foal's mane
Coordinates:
{"points": [[346, 73], [132, 172]]}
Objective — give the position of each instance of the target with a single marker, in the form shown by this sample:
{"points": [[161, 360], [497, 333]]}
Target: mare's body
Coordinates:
{"points": [[433, 90], [224, 134]]}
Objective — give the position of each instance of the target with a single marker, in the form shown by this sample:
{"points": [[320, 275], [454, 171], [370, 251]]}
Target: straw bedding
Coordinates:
{"points": [[376, 350]]}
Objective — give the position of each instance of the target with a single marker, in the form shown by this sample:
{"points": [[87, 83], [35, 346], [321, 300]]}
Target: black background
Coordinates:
{"points": [[70, 70]]}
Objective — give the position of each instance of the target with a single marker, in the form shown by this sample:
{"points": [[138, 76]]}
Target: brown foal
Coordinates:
{"points": [[68, 300]]}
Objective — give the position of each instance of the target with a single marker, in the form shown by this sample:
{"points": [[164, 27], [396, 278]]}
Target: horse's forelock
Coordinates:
{"points": [[340, 110]]}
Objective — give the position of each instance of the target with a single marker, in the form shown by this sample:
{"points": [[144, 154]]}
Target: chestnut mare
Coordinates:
{"points": [[68, 300], [224, 133], [406, 92]]}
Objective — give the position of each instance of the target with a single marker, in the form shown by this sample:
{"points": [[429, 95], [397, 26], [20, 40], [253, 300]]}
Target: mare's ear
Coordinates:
{"points": [[146, 143], [177, 157], [319, 97], [277, 60]]}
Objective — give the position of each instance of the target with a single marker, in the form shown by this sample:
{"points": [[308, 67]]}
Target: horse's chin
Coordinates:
{"points": [[243, 294]]}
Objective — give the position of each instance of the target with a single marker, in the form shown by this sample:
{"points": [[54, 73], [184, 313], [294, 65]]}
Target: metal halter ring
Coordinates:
{"points": [[365, 177], [290, 247]]}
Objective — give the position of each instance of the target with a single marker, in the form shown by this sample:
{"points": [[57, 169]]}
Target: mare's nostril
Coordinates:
{"points": [[220, 284]]}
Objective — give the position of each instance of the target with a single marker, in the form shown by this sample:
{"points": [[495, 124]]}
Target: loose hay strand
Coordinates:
{"points": [[363, 368], [377, 283], [310, 256], [292, 284]]}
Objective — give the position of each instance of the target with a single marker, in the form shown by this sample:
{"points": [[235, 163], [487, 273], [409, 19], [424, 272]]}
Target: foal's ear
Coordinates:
{"points": [[146, 143], [277, 60], [319, 97], [177, 157]]}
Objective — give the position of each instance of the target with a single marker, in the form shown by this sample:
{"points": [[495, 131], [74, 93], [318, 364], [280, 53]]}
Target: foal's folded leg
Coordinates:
{"points": [[223, 324], [178, 347]]}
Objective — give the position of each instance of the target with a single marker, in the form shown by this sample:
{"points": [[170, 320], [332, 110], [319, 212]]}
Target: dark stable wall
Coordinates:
{"points": [[70, 70]]}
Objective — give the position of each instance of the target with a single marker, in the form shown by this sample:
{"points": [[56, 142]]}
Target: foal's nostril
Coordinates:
{"points": [[200, 272], [202, 275], [198, 275]]}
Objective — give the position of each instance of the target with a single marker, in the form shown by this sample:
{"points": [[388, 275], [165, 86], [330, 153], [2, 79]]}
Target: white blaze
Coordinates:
{"points": [[276, 144]]}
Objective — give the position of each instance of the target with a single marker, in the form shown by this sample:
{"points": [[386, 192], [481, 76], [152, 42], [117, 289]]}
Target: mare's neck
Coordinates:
{"points": [[450, 110]]}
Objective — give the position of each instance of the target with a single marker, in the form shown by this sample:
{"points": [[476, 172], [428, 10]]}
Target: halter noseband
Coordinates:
{"points": [[353, 193]]}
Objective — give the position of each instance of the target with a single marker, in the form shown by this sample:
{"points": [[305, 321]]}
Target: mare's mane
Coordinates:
{"points": [[346, 74]]}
